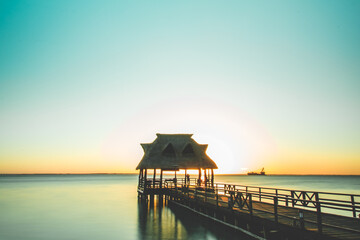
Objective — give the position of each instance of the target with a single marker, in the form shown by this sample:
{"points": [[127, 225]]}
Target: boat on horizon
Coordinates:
{"points": [[262, 172]]}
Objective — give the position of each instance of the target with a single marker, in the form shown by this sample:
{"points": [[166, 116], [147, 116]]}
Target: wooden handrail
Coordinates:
{"points": [[304, 202], [284, 197]]}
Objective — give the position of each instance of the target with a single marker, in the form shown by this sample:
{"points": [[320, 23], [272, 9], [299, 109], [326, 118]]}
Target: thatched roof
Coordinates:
{"points": [[175, 151]]}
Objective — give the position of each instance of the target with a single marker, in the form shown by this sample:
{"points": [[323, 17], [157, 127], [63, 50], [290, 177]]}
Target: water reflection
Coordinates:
{"points": [[157, 220]]}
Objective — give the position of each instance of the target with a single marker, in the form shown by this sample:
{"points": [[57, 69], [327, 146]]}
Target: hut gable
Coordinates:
{"points": [[188, 151], [169, 151], [175, 151]]}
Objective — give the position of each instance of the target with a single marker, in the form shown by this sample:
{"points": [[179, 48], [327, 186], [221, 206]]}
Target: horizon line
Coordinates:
{"points": [[221, 174]]}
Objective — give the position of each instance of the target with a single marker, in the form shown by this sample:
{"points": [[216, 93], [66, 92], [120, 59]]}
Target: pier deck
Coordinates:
{"points": [[313, 215]]}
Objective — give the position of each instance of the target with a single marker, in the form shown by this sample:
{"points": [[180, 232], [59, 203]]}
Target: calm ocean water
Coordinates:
{"points": [[106, 207]]}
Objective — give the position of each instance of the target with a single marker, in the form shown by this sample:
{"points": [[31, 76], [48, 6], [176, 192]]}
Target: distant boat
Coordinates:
{"points": [[256, 173]]}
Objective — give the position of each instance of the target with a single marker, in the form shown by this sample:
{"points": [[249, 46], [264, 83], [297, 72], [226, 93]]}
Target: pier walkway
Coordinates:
{"points": [[268, 212]]}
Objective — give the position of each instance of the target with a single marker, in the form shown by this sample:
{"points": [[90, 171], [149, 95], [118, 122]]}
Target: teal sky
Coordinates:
{"points": [[265, 83]]}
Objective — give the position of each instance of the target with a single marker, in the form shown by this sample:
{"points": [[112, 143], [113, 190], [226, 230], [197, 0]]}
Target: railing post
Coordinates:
{"points": [[259, 194], [292, 198], [154, 177], [217, 195], [353, 206], [230, 201], [318, 213], [205, 194], [301, 219], [250, 204], [145, 179], [304, 203], [161, 178], [276, 209]]}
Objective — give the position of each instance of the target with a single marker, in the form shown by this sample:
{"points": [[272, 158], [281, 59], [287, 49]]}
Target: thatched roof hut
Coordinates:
{"points": [[175, 151]]}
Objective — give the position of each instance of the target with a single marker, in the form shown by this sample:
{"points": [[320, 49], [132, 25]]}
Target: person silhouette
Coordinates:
{"points": [[188, 178]]}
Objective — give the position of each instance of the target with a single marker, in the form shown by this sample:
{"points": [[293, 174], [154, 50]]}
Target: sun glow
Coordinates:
{"points": [[234, 139]]}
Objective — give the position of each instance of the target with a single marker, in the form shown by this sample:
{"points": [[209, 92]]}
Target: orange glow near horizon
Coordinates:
{"points": [[290, 164], [238, 144]]}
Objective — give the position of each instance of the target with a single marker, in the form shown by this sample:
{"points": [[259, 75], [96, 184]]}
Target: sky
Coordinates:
{"points": [[271, 84]]}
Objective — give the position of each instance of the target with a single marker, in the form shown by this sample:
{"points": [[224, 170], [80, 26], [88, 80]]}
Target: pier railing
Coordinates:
{"points": [[335, 203], [303, 209], [323, 212]]}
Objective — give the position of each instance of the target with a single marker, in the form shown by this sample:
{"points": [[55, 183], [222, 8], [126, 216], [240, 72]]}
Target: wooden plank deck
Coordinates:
{"points": [[333, 226], [276, 208]]}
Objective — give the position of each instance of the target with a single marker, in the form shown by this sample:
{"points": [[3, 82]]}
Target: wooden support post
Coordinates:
{"points": [[205, 175], [353, 206], [175, 181], [161, 176], [217, 196], [145, 178], [188, 192], [250, 204], [276, 217], [209, 177], [265, 233], [154, 177], [185, 176], [212, 178], [301, 219], [318, 213], [199, 180], [287, 200], [140, 177], [151, 200], [259, 194], [292, 198], [304, 198], [205, 195]]}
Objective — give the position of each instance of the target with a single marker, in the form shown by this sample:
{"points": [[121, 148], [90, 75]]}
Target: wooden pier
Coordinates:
{"points": [[263, 213]]}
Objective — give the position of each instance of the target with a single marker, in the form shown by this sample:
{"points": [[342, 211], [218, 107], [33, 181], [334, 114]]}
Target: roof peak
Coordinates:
{"points": [[176, 134]]}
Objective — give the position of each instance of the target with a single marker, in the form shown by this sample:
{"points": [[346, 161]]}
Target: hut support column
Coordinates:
{"points": [[154, 176], [161, 173], [175, 181], [199, 180], [212, 178], [185, 176], [145, 178], [205, 175], [140, 177]]}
